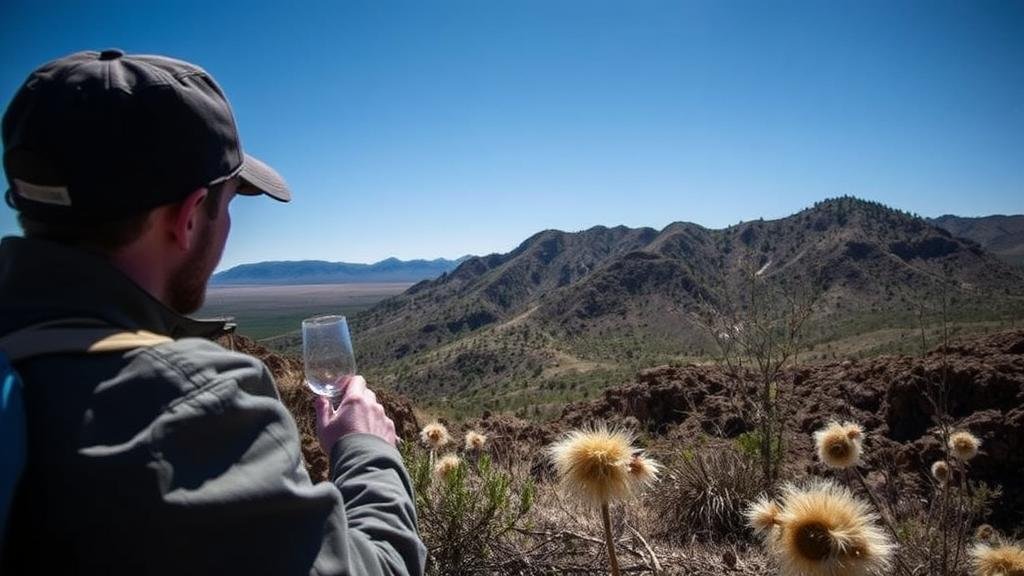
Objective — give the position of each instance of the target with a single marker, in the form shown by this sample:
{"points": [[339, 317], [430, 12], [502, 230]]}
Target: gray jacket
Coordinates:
{"points": [[179, 458]]}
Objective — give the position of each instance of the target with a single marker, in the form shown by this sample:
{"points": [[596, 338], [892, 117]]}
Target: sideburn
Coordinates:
{"points": [[187, 290]]}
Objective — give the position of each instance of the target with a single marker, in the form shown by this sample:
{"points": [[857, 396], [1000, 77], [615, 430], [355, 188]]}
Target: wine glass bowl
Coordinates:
{"points": [[328, 360]]}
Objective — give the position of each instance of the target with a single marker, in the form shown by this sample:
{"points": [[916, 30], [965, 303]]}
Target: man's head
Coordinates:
{"points": [[135, 157]]}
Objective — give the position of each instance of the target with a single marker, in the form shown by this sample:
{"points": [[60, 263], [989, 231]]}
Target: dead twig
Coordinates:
{"points": [[655, 565]]}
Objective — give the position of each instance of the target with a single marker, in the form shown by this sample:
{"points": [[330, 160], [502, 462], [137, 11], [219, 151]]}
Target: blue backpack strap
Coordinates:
{"points": [[12, 438], [56, 337]]}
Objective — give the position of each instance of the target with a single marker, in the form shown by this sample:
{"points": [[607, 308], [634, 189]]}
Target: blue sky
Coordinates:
{"points": [[424, 129]]}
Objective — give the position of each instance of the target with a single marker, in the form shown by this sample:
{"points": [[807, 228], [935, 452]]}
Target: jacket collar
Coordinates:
{"points": [[41, 280]]}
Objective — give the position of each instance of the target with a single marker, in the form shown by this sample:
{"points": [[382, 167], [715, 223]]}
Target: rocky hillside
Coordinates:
{"points": [[610, 300], [1000, 235]]}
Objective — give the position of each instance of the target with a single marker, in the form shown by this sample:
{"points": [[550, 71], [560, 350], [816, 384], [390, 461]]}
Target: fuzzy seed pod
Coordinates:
{"points": [[643, 470], [985, 533], [836, 444], [763, 515], [434, 435], [822, 530], [593, 465], [940, 471], [475, 441], [854, 431], [964, 445], [1001, 560], [446, 465]]}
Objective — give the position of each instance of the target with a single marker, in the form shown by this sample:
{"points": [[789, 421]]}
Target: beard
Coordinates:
{"points": [[187, 290]]}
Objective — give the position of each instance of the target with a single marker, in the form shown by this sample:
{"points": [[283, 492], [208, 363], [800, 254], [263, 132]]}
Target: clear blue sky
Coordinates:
{"points": [[423, 129]]}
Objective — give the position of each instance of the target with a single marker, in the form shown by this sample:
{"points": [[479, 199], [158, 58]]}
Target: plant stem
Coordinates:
{"points": [[612, 559], [885, 517], [944, 523], [871, 495], [960, 528], [655, 565]]}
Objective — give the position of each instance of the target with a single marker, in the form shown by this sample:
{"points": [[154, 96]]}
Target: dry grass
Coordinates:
{"points": [[565, 538], [705, 495]]}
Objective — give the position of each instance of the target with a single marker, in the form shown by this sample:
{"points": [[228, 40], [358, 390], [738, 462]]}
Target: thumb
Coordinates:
{"points": [[323, 409]]}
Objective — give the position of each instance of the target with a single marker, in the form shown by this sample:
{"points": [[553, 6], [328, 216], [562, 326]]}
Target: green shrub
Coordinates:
{"points": [[468, 515], [749, 445]]}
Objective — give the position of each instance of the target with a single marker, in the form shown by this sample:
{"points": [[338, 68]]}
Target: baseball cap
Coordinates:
{"points": [[102, 135]]}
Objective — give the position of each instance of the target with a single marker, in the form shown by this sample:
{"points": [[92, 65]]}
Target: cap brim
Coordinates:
{"points": [[258, 178]]}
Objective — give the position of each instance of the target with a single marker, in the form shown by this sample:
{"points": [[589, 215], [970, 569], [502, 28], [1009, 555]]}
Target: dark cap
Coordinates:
{"points": [[103, 135]]}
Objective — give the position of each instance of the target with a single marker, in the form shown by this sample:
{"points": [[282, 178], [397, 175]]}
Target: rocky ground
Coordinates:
{"points": [[895, 398], [674, 409]]}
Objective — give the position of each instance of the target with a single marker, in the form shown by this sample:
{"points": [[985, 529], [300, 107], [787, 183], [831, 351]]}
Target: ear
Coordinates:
{"points": [[184, 219]]}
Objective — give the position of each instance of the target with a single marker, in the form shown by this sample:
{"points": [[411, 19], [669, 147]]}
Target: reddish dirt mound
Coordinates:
{"points": [[510, 439]]}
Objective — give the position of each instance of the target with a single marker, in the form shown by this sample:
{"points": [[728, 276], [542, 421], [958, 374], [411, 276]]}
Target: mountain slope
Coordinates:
{"points": [[1001, 235], [321, 272], [606, 301]]}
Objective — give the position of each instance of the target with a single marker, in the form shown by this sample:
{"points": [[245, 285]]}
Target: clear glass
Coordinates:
{"points": [[327, 354]]}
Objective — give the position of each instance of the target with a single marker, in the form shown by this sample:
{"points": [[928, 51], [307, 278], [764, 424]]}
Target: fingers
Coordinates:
{"points": [[358, 412], [323, 409], [356, 387]]}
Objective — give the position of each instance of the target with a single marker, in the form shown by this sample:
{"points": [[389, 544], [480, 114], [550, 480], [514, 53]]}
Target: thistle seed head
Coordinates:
{"points": [[964, 445], [593, 465], [435, 435], [839, 445]]}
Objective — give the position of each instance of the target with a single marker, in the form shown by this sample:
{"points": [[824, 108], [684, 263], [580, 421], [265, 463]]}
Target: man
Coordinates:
{"points": [[174, 458]]}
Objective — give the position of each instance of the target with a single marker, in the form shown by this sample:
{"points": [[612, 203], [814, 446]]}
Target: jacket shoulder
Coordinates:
{"points": [[196, 364]]}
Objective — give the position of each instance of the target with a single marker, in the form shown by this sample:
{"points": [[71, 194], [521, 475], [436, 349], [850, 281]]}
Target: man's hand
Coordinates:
{"points": [[357, 412]]}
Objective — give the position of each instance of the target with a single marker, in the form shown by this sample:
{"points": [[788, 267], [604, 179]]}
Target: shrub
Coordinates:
{"points": [[466, 514], [704, 496], [750, 446]]}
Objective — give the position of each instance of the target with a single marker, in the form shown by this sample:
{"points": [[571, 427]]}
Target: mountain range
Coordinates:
{"points": [[569, 311], [321, 272], [1001, 235]]}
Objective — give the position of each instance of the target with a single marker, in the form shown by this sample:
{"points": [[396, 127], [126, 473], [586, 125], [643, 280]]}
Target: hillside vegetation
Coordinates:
{"points": [[690, 521], [565, 315], [1000, 235]]}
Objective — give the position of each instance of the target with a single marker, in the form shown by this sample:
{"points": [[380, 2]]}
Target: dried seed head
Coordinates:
{"points": [[823, 530], [593, 465], [1001, 560], [964, 445], [643, 470], [836, 447], [475, 441], [854, 431], [985, 533], [940, 471], [435, 435], [446, 465], [763, 515]]}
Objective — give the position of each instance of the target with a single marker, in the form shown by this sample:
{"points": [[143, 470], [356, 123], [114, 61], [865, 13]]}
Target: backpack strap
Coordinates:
{"points": [[82, 335], [69, 335]]}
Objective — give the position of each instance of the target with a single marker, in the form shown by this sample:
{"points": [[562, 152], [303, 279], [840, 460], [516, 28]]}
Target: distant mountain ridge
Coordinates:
{"points": [[322, 272], [1000, 235]]}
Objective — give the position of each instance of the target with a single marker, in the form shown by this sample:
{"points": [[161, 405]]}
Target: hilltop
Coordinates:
{"points": [[567, 314]]}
